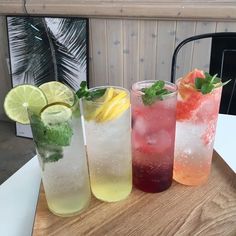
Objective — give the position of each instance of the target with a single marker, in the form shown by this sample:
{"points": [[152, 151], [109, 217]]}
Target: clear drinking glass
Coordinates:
{"points": [[61, 153], [108, 139], [153, 138], [195, 131]]}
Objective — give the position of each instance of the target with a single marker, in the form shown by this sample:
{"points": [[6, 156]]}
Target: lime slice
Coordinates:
{"points": [[58, 92], [22, 97], [56, 113]]}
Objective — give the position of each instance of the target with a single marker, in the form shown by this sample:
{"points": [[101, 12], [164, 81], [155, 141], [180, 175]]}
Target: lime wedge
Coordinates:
{"points": [[22, 97], [58, 92], [55, 113]]}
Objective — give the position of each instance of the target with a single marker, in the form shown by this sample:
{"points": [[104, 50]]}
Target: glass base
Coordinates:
{"points": [[153, 189], [191, 181], [114, 198], [69, 214]]}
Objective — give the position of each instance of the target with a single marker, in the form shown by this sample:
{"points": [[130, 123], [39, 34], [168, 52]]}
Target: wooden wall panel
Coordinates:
{"points": [[165, 47], [99, 52], [226, 26], [202, 48], [147, 50], [184, 29], [115, 52], [131, 52], [180, 9]]}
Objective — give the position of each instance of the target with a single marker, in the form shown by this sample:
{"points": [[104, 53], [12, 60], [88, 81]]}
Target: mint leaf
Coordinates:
{"points": [[83, 84], [56, 134], [49, 153], [222, 84], [209, 83], [198, 83], [96, 94], [50, 139], [207, 88], [83, 92], [154, 93]]}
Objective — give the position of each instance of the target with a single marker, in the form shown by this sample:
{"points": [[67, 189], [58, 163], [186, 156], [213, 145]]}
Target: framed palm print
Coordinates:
{"points": [[44, 49]]}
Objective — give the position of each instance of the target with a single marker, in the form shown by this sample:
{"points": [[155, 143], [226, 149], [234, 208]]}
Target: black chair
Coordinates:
{"points": [[222, 63]]}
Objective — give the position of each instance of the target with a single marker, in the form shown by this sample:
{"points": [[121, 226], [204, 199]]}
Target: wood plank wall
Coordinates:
{"points": [[123, 51]]}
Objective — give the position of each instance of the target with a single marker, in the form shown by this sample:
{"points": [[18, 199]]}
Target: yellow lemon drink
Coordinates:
{"points": [[108, 139]]}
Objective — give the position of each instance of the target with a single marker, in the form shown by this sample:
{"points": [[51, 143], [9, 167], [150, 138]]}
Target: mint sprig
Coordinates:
{"points": [[207, 84], [154, 93], [83, 92]]}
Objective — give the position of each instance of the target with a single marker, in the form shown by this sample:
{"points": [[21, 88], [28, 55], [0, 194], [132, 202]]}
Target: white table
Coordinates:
{"points": [[18, 198], [225, 139], [18, 195]]}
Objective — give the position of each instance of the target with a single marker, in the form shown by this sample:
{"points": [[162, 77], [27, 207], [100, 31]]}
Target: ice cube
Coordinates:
{"points": [[162, 140], [140, 125]]}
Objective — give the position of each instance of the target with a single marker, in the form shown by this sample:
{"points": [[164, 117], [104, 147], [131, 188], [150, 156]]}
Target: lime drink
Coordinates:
{"points": [[57, 133]]}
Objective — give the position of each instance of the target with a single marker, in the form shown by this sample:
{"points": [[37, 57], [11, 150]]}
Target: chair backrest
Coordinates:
{"points": [[222, 63]]}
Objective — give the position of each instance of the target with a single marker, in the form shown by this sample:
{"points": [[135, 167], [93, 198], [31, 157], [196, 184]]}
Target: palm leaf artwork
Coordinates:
{"points": [[47, 49]]}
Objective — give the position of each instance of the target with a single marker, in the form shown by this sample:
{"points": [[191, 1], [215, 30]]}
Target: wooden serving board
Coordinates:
{"points": [[205, 210]]}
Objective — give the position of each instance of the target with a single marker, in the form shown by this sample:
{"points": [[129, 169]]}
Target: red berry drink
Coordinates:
{"points": [[195, 128], [153, 136]]}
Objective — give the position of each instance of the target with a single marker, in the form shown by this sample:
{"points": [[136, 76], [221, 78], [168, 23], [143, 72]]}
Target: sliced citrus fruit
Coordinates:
{"points": [[58, 92], [186, 84], [22, 97], [189, 99], [107, 96], [112, 106], [115, 104], [55, 113], [117, 111]]}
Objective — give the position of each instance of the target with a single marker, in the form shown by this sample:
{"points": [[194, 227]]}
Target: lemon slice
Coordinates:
{"points": [[117, 111], [58, 92], [55, 113], [22, 97], [108, 95], [115, 105], [110, 106]]}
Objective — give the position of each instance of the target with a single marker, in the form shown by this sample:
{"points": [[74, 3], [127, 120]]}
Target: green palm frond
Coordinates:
{"points": [[73, 35], [41, 56]]}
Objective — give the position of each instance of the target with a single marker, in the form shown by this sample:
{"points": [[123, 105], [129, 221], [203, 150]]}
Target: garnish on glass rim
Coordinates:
{"points": [[155, 92], [207, 84], [90, 96]]}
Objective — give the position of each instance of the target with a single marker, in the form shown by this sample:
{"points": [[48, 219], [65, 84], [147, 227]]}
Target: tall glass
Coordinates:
{"points": [[61, 153], [153, 138], [195, 131], [108, 138]]}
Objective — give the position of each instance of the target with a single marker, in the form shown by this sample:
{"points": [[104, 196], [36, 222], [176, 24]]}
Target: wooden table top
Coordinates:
{"points": [[209, 209]]}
